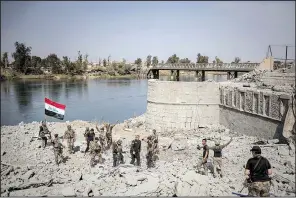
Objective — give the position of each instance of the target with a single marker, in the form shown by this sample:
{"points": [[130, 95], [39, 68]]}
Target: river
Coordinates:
{"points": [[92, 99]]}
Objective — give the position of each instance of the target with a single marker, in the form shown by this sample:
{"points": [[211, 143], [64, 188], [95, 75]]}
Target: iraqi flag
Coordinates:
{"points": [[54, 109]]}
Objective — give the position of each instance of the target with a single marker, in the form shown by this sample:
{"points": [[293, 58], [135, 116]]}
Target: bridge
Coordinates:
{"points": [[232, 69]]}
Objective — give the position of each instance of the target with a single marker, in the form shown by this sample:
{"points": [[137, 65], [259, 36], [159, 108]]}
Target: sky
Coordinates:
{"points": [[132, 30]]}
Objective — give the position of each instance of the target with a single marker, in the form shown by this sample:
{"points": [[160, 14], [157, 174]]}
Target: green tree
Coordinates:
{"points": [[22, 57], [202, 59], [36, 64], [85, 62], [54, 63], [185, 60], [173, 59], [104, 62], [236, 60], [138, 62], [100, 61], [155, 60], [217, 60], [109, 59], [148, 60], [4, 60]]}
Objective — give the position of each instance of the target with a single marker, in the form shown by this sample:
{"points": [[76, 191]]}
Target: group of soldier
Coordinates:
{"points": [[257, 171], [97, 145]]}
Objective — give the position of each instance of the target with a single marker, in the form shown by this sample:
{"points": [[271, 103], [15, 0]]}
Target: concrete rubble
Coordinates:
{"points": [[27, 170]]}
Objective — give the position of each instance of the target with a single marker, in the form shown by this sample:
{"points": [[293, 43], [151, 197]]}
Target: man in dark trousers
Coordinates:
{"points": [[257, 174], [90, 136], [136, 150], [205, 156]]}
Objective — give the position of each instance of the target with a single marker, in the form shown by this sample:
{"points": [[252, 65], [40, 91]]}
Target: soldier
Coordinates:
{"points": [[101, 137], [115, 153], [150, 151], [86, 133], [120, 150], [57, 148], [42, 135], [109, 129], [136, 150], [257, 174], [218, 156], [205, 156], [70, 136], [155, 149], [90, 137], [95, 150]]}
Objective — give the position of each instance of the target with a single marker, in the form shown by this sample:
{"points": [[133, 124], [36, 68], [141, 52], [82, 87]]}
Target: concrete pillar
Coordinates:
{"points": [[228, 75], [203, 75], [172, 75], [178, 75], [197, 76]]}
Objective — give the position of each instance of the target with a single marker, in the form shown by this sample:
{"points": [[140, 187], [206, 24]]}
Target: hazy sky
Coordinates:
{"points": [[136, 29]]}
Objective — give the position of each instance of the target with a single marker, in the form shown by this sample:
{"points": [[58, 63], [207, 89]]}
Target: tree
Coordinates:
{"points": [[185, 60], [162, 62], [36, 64], [104, 62], [138, 62], [109, 59], [85, 62], [4, 60], [22, 56], [217, 60], [148, 60], [68, 66], [54, 63], [123, 61], [173, 59], [155, 60], [202, 59], [236, 60]]}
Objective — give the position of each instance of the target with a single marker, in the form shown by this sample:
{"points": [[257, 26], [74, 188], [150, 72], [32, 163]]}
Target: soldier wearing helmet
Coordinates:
{"points": [[57, 148]]}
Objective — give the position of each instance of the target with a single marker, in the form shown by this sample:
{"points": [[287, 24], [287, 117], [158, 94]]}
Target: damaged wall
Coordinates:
{"points": [[253, 112], [175, 105]]}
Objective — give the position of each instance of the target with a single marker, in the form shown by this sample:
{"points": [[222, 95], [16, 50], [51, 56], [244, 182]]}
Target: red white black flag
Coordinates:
{"points": [[54, 109]]}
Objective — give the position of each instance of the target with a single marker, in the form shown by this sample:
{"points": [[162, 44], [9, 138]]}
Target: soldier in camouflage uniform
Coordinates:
{"points": [[57, 148], [42, 134], [95, 150], [218, 157], [109, 129], [136, 150], [155, 149], [102, 137], [117, 153], [86, 133], [70, 136], [90, 137], [150, 152]]}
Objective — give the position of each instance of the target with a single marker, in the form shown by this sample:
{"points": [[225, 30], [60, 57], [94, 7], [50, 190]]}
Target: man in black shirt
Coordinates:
{"points": [[257, 174], [135, 150], [205, 156]]}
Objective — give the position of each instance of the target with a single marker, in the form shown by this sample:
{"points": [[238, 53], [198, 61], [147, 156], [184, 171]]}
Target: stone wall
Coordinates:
{"points": [[254, 112], [175, 105]]}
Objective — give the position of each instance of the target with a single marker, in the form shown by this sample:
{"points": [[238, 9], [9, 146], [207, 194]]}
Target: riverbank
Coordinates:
{"points": [[28, 170], [65, 77]]}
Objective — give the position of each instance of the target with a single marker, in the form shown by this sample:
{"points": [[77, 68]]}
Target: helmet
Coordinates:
{"points": [[96, 138], [87, 128], [56, 135], [69, 126], [217, 143], [119, 142]]}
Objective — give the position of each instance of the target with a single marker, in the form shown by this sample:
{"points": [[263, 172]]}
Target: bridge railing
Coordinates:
{"points": [[208, 65]]}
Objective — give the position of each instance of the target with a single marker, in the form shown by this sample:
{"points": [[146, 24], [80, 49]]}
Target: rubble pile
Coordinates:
{"points": [[28, 170], [253, 76]]}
